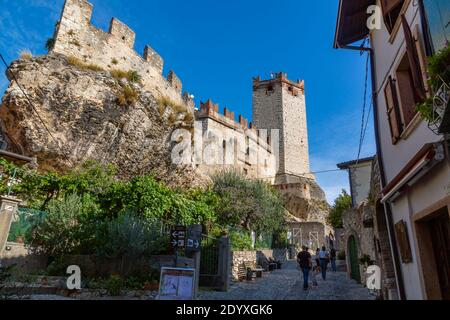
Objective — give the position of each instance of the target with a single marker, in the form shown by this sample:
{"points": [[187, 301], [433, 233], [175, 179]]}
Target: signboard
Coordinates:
{"points": [[178, 238], [194, 238], [177, 284]]}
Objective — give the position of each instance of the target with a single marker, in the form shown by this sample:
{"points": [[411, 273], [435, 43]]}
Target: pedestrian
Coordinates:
{"points": [[305, 262], [333, 259], [324, 257], [317, 260]]}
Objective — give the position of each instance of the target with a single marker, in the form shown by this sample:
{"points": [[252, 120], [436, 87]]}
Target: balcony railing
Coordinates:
{"points": [[440, 120]]}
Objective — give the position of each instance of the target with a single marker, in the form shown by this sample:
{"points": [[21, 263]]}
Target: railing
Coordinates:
{"points": [[440, 117]]}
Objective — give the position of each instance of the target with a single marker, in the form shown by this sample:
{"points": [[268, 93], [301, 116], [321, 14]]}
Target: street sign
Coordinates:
{"points": [[194, 238], [178, 237]]}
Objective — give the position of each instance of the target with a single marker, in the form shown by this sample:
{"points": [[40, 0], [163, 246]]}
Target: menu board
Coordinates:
{"points": [[177, 284]]}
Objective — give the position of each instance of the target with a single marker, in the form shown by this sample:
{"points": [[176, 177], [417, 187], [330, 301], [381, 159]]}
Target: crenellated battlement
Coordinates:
{"points": [[76, 36], [211, 110], [279, 78]]}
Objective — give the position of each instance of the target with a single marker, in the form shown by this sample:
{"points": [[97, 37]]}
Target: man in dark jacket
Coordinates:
{"points": [[305, 262]]}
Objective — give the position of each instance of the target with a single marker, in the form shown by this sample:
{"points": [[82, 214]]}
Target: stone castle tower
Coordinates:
{"points": [[279, 103]]}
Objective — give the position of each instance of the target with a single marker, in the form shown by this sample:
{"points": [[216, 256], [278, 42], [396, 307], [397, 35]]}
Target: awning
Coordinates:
{"points": [[351, 23], [428, 157]]}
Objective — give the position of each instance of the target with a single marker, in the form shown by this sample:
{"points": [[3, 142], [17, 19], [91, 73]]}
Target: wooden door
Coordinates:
{"points": [[354, 263], [440, 237]]}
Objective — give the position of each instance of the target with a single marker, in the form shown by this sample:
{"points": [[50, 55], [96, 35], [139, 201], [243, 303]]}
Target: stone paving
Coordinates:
{"points": [[287, 284]]}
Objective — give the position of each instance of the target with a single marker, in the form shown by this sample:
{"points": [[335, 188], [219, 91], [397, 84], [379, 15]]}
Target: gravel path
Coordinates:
{"points": [[287, 284]]}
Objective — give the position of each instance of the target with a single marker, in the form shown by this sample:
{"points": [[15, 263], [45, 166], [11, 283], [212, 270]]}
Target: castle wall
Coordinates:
{"points": [[76, 37], [233, 145]]}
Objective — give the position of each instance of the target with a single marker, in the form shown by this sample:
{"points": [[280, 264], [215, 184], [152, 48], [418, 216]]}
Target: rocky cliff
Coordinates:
{"points": [[79, 112]]}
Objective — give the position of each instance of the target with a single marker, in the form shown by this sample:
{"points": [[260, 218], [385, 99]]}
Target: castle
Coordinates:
{"points": [[274, 147]]}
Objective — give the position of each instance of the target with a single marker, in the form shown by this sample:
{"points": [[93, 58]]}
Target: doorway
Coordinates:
{"points": [[353, 256], [440, 237]]}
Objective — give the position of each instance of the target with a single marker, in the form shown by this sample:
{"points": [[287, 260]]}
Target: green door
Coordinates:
{"points": [[353, 254]]}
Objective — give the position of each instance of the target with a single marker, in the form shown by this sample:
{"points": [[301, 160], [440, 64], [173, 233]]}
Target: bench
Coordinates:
{"points": [[269, 264], [252, 269]]}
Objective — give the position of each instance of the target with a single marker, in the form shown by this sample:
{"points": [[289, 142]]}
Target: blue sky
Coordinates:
{"points": [[216, 47]]}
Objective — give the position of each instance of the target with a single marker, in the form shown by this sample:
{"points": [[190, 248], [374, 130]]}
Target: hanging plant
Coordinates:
{"points": [[439, 74]]}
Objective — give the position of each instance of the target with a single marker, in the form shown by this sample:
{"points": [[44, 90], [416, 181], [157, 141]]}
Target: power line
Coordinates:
{"points": [[364, 122]]}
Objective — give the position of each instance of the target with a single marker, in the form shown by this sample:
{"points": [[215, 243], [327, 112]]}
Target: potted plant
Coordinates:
{"points": [[435, 108]]}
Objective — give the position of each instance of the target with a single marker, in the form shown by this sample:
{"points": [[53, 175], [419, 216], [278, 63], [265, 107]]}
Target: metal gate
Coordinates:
{"points": [[214, 263]]}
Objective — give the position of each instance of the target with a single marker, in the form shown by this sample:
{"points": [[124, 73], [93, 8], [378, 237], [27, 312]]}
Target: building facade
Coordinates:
{"points": [[413, 160]]}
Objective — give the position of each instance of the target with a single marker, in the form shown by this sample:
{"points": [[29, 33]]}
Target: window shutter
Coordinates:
{"points": [[414, 61], [387, 6], [393, 112], [423, 61]]}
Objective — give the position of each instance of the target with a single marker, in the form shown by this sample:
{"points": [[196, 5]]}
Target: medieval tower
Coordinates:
{"points": [[280, 104]]}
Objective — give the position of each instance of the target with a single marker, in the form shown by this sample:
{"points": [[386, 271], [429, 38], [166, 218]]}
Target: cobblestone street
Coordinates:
{"points": [[287, 284]]}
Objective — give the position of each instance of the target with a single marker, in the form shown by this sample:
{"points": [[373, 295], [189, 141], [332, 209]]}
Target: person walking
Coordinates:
{"points": [[317, 260], [305, 261], [324, 257], [333, 259]]}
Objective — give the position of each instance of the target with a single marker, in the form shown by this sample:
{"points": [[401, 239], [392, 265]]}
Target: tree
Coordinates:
{"points": [[341, 204], [252, 205]]}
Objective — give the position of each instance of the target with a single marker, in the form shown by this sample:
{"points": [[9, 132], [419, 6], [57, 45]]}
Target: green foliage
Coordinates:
{"points": [[341, 204], [131, 237], [58, 234], [131, 75], [250, 204], [114, 285], [438, 70], [49, 44], [341, 255], [240, 240]]}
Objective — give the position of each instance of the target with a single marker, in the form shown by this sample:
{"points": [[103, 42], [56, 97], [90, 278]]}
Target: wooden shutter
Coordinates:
{"points": [[393, 112], [387, 6], [414, 61], [423, 60]]}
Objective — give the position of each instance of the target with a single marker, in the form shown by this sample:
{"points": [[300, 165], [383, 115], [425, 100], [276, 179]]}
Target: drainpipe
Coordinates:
{"points": [[387, 207]]}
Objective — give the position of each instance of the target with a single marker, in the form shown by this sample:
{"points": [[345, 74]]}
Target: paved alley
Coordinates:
{"points": [[287, 284]]}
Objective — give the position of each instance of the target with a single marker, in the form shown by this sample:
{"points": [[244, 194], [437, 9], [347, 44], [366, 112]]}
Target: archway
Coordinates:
{"points": [[353, 259]]}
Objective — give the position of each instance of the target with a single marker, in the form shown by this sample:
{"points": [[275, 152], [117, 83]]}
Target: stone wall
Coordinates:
{"points": [[76, 37], [233, 144], [239, 257], [280, 104], [24, 260]]}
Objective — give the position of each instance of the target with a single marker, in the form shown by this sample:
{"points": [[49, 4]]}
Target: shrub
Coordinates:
{"points": [[80, 64], [131, 237], [114, 285], [127, 97], [131, 75], [57, 234], [50, 44], [25, 54], [240, 240], [341, 204], [341, 255], [250, 204]]}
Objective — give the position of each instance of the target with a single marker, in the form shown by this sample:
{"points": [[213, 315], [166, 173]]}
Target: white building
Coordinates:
{"points": [[414, 160]]}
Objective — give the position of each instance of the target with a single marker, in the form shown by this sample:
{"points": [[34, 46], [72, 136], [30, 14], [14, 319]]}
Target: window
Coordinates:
{"points": [[408, 97], [391, 12], [393, 111], [403, 92], [437, 14]]}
